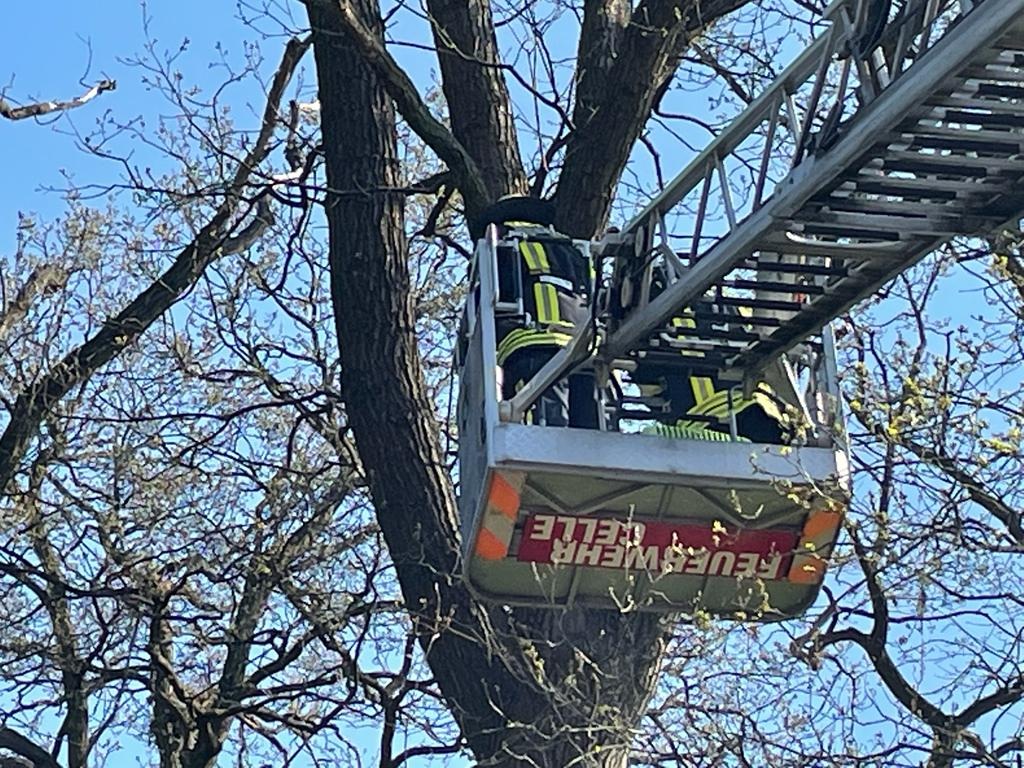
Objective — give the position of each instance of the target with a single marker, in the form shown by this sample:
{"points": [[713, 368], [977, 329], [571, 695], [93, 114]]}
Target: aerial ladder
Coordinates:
{"points": [[886, 138]]}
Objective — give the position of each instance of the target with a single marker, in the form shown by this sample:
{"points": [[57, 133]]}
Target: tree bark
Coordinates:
{"points": [[388, 408], [474, 86], [528, 688], [621, 74], [34, 755]]}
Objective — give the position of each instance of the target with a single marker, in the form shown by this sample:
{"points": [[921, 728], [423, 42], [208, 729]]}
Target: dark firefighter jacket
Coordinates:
{"points": [[553, 279]]}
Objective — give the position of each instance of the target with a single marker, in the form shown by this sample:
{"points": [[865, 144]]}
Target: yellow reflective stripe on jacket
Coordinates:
{"points": [[527, 337], [703, 389], [680, 431], [687, 321], [546, 298], [719, 404], [684, 322], [535, 256]]}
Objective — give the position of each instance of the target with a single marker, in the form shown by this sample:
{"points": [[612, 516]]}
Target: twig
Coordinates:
{"points": [[46, 107], [408, 101]]}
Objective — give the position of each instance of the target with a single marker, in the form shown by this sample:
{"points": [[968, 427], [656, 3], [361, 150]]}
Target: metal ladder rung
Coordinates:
{"points": [[774, 287], [947, 165], [902, 176], [756, 320], [695, 348], [1000, 90], [958, 103], [849, 251], [974, 134], [904, 187], [791, 268], [915, 189], [706, 360], [990, 118], [899, 227], [963, 164], [966, 141], [853, 204], [993, 69], [875, 217], [868, 231], [772, 304], [733, 334]]}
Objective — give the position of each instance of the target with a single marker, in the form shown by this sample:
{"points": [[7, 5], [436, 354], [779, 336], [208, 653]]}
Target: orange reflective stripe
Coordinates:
{"points": [[498, 522], [822, 525], [503, 496], [489, 546], [810, 558]]}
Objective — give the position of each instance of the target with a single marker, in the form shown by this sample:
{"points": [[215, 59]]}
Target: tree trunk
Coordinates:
{"points": [[528, 687], [388, 408], [474, 86], [622, 73]]}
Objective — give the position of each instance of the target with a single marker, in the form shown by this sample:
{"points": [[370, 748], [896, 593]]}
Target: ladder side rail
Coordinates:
{"points": [[470, 313], [558, 367], [487, 260], [477, 404], [876, 67], [829, 396], [675, 265], [702, 207], [803, 132], [761, 109], [947, 56], [723, 181], [943, 60], [814, 66], [766, 156], [931, 13], [915, 23]]}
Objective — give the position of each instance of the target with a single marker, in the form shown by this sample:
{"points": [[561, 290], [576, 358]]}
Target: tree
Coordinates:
{"points": [[131, 420], [486, 660]]}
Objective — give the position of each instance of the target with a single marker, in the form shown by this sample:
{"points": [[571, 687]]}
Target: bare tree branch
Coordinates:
{"points": [[608, 120], [33, 404], [14, 742], [43, 280], [474, 87], [408, 101], [46, 107]]}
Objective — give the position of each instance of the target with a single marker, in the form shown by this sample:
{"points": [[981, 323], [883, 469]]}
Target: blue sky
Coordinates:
{"points": [[59, 46]]}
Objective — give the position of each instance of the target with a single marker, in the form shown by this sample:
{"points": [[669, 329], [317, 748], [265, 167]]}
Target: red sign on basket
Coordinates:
{"points": [[659, 547]]}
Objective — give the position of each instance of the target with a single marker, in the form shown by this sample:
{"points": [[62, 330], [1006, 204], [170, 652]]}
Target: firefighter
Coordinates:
{"points": [[693, 404], [553, 278], [711, 407]]}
